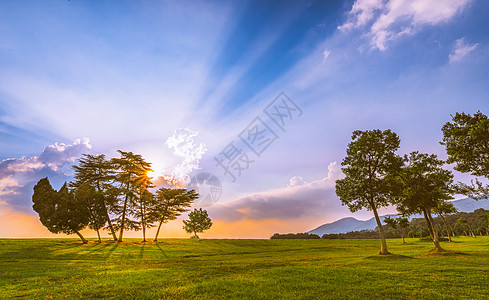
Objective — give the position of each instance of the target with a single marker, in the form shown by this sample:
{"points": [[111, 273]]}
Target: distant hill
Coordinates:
{"points": [[351, 224]]}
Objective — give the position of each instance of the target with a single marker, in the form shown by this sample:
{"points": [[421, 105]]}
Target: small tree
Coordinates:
{"points": [[370, 166], [198, 222], [400, 225]]}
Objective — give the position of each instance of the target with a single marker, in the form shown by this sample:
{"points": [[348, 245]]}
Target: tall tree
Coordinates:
{"points": [[370, 167], [171, 203], [198, 222], [466, 139], [426, 185], [133, 179], [98, 172], [59, 211]]}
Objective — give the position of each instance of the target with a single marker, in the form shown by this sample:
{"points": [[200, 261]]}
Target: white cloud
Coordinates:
{"points": [[182, 144], [460, 50], [326, 53], [18, 174], [395, 18], [296, 181]]}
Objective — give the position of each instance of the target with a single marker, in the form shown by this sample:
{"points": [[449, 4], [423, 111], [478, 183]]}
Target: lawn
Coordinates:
{"points": [[254, 269]]}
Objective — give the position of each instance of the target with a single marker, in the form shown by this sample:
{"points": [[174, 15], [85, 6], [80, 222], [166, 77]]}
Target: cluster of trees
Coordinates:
{"points": [[461, 223], [115, 195], [294, 236], [417, 183]]}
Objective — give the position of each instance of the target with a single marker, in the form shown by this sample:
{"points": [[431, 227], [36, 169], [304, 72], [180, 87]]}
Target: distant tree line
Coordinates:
{"points": [[416, 183], [115, 195], [459, 224], [301, 236]]}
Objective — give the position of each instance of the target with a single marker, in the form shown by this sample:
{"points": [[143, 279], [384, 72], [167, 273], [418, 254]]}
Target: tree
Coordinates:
{"points": [[426, 185], [370, 167], [98, 172], [132, 176], [170, 203], [400, 225], [443, 208], [93, 200], [198, 222], [467, 144], [59, 211], [462, 222]]}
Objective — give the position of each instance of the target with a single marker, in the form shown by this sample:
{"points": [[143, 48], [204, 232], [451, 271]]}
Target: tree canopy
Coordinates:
{"points": [[466, 139], [198, 222]]}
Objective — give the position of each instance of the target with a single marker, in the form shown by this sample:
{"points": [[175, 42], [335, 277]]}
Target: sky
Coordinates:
{"points": [[259, 98]]}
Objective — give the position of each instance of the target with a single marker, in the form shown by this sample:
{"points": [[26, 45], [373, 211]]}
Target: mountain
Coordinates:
{"points": [[351, 224]]}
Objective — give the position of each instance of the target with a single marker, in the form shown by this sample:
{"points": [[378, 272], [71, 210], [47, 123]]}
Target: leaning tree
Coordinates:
{"points": [[171, 203], [370, 168]]}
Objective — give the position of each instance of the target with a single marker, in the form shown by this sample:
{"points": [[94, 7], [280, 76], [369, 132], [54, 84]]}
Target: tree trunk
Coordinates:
{"points": [[98, 234], [123, 219], [158, 231], [436, 241], [111, 228], [81, 237], [430, 229], [142, 218], [383, 245], [195, 235], [403, 241]]}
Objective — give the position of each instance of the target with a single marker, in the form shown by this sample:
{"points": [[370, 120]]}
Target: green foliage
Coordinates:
{"points": [[426, 185], [369, 167], [59, 212], [93, 200], [466, 139], [99, 173], [198, 222]]}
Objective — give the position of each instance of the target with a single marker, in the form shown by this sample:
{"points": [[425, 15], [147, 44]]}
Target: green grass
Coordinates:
{"points": [[254, 269]]}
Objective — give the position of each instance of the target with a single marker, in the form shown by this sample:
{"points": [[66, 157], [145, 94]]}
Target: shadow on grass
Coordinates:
{"points": [[436, 252], [389, 257], [161, 250], [111, 250]]}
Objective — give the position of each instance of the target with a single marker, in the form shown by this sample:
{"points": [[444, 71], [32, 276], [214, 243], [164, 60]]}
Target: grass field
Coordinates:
{"points": [[255, 269]]}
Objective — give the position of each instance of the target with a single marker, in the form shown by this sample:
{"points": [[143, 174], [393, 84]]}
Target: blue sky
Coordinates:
{"points": [[127, 75]]}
